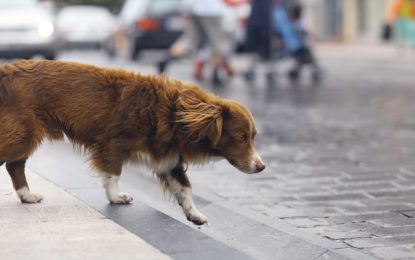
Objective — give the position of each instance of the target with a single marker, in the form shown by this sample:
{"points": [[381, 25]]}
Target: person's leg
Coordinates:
{"points": [[294, 73], [250, 73], [203, 56], [186, 44], [270, 63], [411, 33], [221, 44], [399, 34]]}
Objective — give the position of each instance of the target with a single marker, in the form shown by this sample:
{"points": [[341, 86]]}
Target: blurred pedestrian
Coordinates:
{"points": [[204, 32], [259, 38], [401, 16]]}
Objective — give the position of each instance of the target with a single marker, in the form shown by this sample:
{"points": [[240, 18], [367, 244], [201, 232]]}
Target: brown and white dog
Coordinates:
{"points": [[118, 117]]}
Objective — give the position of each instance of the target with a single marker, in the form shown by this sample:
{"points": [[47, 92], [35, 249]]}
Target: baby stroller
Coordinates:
{"points": [[293, 42]]}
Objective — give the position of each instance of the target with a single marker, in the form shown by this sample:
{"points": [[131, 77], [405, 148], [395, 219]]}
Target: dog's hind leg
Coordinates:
{"points": [[16, 171], [177, 182]]}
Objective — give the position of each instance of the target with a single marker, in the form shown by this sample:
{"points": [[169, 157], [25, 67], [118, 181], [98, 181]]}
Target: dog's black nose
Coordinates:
{"points": [[260, 167]]}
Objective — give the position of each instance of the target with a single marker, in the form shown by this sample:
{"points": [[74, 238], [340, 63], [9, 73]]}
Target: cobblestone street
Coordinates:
{"points": [[340, 157]]}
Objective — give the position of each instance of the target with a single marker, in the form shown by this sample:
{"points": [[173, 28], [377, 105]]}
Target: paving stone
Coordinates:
{"points": [[376, 208], [396, 252], [381, 242], [409, 213], [394, 194], [306, 222], [392, 216], [392, 231], [394, 222], [363, 187], [337, 235], [335, 197]]}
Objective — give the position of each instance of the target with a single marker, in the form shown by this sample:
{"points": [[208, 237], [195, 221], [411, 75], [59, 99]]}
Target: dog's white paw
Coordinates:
{"points": [[121, 198], [26, 196], [196, 217]]}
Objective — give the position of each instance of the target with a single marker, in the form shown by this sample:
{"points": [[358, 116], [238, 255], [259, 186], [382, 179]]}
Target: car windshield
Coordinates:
{"points": [[17, 4]]}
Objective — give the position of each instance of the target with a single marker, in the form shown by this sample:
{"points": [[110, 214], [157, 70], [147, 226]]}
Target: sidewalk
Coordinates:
{"points": [[62, 227]]}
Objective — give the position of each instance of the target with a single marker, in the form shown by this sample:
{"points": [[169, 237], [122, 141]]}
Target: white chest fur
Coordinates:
{"points": [[159, 166]]}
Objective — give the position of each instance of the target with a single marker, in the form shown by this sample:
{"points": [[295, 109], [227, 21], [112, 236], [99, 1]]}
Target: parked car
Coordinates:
{"points": [[26, 30], [85, 26], [149, 24]]}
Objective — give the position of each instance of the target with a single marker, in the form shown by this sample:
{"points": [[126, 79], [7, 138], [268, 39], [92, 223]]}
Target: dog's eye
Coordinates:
{"points": [[243, 139]]}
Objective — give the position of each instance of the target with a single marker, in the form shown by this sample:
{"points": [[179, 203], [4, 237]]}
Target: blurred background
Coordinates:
{"points": [[49, 27], [244, 36]]}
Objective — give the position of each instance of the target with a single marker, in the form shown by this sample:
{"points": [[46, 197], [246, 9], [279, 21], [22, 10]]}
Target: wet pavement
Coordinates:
{"points": [[339, 156]]}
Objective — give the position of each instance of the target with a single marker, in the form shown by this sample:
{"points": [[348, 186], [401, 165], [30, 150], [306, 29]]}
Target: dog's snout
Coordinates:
{"points": [[259, 167]]}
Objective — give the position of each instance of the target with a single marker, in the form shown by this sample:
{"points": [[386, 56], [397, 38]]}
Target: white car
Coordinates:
{"points": [[85, 26], [26, 30]]}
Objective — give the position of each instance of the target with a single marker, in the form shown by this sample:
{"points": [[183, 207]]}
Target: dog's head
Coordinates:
{"points": [[228, 126]]}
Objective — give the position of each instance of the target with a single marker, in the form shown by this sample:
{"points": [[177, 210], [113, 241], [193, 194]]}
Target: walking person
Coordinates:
{"points": [[204, 32], [259, 37], [401, 16]]}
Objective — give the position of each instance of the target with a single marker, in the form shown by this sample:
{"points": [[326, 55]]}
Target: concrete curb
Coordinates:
{"points": [[62, 228]]}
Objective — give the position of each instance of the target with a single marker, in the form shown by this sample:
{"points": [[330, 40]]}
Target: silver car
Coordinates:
{"points": [[26, 30], [85, 26]]}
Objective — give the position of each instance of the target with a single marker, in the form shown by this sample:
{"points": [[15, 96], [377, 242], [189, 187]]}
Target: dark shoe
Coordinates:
{"points": [[216, 80], [271, 78], [317, 76], [249, 76], [162, 66], [228, 69], [198, 73], [294, 74]]}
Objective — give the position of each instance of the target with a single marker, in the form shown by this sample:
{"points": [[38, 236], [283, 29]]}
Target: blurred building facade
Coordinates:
{"points": [[345, 20]]}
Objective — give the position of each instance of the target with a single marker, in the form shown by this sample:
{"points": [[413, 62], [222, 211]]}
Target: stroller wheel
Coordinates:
{"points": [[216, 79], [271, 78], [294, 74], [249, 76], [317, 76]]}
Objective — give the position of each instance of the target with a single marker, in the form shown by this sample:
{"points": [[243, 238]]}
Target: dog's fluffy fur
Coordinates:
{"points": [[117, 116]]}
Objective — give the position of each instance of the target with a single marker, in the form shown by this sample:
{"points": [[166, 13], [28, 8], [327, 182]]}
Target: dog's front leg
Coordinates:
{"points": [[109, 166], [177, 182], [110, 183]]}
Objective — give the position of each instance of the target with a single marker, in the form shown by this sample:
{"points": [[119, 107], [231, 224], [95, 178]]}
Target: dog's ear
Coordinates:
{"points": [[199, 118]]}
